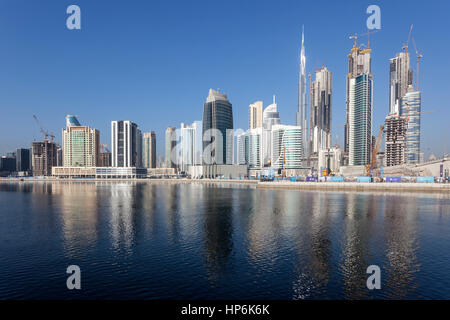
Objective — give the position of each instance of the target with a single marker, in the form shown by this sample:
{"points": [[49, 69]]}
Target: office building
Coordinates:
{"points": [[320, 112], [301, 111], [190, 147], [358, 127], [411, 109], [271, 117], [171, 148], [249, 148], [43, 157], [7, 164], [286, 147], [217, 129], [255, 115], [126, 142], [23, 160], [149, 150], [80, 144]]}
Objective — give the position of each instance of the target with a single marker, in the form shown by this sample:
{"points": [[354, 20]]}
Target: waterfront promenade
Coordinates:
{"points": [[282, 184]]}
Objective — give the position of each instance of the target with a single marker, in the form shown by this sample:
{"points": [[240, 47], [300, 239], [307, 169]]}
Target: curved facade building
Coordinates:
{"points": [[217, 114], [271, 117]]}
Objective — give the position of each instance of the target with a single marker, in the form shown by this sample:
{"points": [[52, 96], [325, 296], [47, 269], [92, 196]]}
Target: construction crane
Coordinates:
{"points": [[406, 45], [356, 36], [373, 164], [44, 132], [422, 112], [418, 57]]}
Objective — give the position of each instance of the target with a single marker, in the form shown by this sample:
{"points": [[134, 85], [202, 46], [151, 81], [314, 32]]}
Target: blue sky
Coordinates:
{"points": [[153, 62]]}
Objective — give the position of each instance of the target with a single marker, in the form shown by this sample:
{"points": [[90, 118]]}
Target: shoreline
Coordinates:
{"points": [[326, 186]]}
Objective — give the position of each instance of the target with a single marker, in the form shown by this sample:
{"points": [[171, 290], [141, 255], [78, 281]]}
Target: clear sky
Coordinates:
{"points": [[153, 62]]}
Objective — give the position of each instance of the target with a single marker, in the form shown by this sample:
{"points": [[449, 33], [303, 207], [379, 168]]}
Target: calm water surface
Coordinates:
{"points": [[209, 241]]}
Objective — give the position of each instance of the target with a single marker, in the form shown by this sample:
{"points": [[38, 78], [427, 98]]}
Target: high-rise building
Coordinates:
{"points": [[395, 128], [320, 112], [411, 106], [271, 117], [301, 112], [400, 77], [126, 142], [217, 129], [190, 147], [358, 127], [286, 147], [80, 144], [23, 160], [149, 150], [171, 144], [43, 158], [250, 148], [255, 115]]}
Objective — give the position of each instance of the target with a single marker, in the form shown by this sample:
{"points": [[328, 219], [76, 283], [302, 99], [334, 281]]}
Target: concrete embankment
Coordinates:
{"points": [[357, 186], [326, 186]]}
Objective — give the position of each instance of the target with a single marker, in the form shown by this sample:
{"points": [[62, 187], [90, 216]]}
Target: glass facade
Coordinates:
{"points": [[411, 106]]}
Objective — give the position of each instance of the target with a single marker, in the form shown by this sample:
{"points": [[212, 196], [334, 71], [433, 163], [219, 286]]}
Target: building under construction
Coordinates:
{"points": [[43, 157], [395, 129]]}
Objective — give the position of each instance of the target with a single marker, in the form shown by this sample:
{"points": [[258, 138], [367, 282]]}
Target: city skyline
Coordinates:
{"points": [[241, 93]]}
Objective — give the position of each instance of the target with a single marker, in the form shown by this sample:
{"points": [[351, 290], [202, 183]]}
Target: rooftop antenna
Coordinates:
{"points": [[273, 99]]}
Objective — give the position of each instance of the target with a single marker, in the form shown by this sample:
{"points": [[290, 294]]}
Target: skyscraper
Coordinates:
{"points": [[411, 108], [320, 112], [149, 150], [358, 127], [400, 77], [126, 142], [80, 144], [190, 145], [255, 115], [271, 117], [217, 120], [250, 148], [171, 143], [301, 112]]}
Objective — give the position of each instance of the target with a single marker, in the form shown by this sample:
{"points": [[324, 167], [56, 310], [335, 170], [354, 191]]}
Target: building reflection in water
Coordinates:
{"points": [[400, 225], [313, 244], [217, 230], [122, 211]]}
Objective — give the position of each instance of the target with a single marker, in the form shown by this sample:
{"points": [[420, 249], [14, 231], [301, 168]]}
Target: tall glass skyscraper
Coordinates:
{"points": [[301, 111], [358, 127], [126, 142], [411, 106], [271, 117], [320, 112], [218, 115]]}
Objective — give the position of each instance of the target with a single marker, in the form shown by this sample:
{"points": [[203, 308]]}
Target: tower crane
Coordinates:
{"points": [[375, 150], [406, 45], [356, 36], [419, 56], [44, 132]]}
